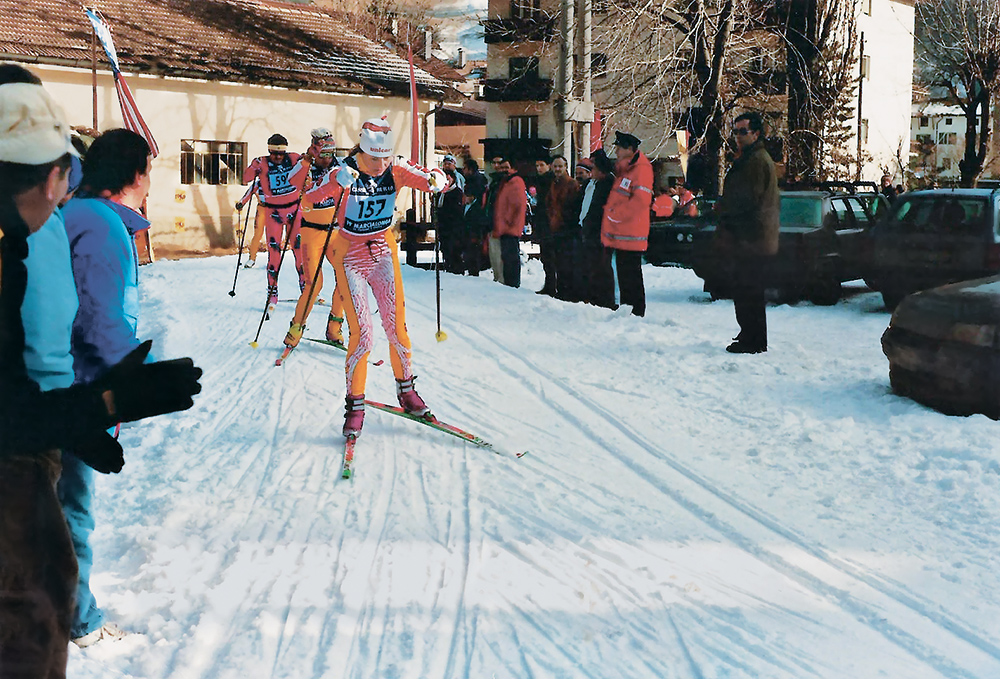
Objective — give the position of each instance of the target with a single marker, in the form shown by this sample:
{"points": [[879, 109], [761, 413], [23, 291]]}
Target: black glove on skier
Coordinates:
{"points": [[133, 390], [103, 453]]}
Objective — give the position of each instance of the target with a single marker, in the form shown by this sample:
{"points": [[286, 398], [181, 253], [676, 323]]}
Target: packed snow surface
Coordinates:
{"points": [[680, 513]]}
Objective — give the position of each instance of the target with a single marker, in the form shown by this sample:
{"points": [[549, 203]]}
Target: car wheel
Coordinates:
{"points": [[825, 293]]}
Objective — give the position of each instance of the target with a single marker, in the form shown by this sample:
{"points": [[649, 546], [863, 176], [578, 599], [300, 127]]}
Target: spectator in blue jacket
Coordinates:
{"points": [[100, 222], [39, 411]]}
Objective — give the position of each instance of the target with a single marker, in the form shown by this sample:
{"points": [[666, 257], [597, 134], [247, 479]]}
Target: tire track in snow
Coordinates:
{"points": [[813, 567]]}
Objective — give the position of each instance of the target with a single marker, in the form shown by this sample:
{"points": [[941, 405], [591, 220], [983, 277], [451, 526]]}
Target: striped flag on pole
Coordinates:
{"points": [[130, 112]]}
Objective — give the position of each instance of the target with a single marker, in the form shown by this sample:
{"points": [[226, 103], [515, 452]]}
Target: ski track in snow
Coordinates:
{"points": [[813, 573], [624, 544]]}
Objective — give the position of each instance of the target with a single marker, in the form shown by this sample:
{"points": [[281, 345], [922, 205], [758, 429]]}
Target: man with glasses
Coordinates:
{"points": [[747, 235]]}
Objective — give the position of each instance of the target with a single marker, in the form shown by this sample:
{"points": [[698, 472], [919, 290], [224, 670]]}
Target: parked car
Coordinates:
{"points": [[943, 347], [671, 240], [930, 238], [821, 244]]}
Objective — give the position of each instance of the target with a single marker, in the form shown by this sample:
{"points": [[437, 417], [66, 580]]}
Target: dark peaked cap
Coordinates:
{"points": [[626, 139], [602, 162]]}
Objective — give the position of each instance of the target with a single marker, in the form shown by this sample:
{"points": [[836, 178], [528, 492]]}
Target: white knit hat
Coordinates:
{"points": [[33, 129], [377, 138]]}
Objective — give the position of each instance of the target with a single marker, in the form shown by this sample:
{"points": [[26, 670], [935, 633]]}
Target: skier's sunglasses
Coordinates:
{"points": [[740, 131]]}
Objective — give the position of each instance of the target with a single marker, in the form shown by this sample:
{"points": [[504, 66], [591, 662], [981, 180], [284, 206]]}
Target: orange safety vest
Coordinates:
{"points": [[626, 214]]}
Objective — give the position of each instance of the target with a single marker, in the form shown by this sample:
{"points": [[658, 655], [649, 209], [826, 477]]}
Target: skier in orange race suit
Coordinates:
{"points": [[316, 217], [281, 175], [365, 255]]}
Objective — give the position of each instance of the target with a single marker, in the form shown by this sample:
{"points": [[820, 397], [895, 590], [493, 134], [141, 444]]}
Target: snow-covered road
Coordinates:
{"points": [[681, 512]]}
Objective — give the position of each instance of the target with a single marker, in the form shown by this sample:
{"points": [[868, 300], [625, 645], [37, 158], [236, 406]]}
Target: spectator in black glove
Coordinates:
{"points": [[38, 568]]}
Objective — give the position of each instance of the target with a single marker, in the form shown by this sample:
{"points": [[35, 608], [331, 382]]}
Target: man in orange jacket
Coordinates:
{"points": [[509, 210], [625, 227]]}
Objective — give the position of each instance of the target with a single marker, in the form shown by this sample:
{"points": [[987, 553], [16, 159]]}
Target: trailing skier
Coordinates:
{"points": [[365, 255], [316, 220], [281, 175]]}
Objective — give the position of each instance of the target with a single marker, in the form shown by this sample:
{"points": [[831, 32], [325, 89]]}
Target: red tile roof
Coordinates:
{"points": [[256, 41]]}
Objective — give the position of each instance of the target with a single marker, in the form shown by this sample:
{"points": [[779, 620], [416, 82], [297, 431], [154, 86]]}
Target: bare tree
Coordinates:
{"points": [[821, 55], [686, 63], [958, 50]]}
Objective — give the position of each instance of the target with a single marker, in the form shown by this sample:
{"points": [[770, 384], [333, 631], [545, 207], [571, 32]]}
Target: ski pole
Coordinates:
{"points": [[440, 336], [284, 248], [243, 202], [243, 235]]}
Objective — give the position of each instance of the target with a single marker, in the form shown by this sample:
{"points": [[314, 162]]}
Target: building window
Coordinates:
{"points": [[863, 130], [525, 9], [866, 7], [212, 162], [523, 68], [599, 64], [522, 127], [947, 138], [866, 67], [924, 121], [946, 163], [947, 121]]}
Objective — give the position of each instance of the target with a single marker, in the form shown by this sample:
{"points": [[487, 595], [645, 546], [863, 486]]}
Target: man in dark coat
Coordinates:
{"points": [[450, 205], [595, 260], [541, 232], [747, 235]]}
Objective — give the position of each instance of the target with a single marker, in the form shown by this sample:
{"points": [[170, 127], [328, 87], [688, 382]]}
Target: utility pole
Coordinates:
{"points": [[861, 88], [568, 44], [586, 70]]}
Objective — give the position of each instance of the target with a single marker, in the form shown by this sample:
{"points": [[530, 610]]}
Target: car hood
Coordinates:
{"points": [[967, 312]]}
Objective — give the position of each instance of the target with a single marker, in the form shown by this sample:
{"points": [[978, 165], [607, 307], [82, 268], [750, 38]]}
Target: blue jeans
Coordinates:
{"points": [[76, 494]]}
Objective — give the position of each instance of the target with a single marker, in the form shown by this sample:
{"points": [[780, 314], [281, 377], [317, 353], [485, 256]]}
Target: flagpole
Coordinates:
{"points": [[93, 70]]}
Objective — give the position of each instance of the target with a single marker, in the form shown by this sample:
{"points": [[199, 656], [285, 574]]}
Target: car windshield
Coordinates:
{"points": [[801, 210], [940, 213]]}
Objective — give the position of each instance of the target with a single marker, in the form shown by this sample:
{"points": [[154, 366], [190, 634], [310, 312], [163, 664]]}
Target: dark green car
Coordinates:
{"points": [[822, 243]]}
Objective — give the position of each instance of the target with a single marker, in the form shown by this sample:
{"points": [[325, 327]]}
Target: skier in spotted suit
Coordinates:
{"points": [[281, 175], [365, 255]]}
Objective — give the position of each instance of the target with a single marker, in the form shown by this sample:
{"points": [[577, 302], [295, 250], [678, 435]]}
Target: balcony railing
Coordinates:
{"points": [[519, 29], [519, 89]]}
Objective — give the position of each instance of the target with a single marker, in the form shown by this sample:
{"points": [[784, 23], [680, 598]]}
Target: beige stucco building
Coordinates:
{"points": [[211, 92], [193, 120]]}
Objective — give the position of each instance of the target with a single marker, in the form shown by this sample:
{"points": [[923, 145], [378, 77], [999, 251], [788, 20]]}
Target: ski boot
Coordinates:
{"points": [[333, 330], [249, 264], [409, 399], [294, 334], [354, 415]]}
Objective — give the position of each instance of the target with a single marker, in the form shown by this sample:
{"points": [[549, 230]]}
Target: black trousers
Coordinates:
{"points": [[628, 265], [510, 255], [547, 253], [599, 277], [749, 282]]}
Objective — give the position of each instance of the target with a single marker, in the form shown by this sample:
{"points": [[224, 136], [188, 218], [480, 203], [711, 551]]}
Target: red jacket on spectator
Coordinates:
{"points": [[686, 205], [510, 207], [626, 214], [663, 205]]}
